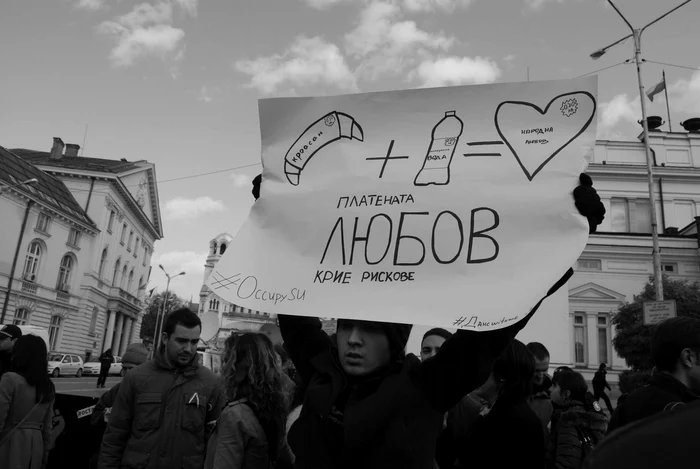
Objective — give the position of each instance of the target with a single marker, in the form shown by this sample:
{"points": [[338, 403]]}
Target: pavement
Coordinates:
{"points": [[84, 386]]}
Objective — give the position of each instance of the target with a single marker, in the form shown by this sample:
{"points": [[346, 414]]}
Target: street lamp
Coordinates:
{"points": [[161, 316], [637, 36]]}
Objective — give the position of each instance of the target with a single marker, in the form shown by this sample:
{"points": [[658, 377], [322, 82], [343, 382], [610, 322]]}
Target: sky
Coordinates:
{"points": [[176, 82]]}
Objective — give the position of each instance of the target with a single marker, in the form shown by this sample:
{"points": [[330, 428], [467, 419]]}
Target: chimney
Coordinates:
{"points": [[72, 149], [57, 148]]}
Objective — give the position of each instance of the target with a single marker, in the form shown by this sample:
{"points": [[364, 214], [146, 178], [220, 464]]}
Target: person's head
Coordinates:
{"points": [[432, 341], [135, 355], [511, 377], [251, 370], [8, 337], [29, 359], [367, 347], [541, 354], [180, 337], [569, 386], [603, 367], [675, 349]]}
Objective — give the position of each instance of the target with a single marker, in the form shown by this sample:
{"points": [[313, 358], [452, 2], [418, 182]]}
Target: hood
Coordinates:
{"points": [[576, 414], [187, 371]]}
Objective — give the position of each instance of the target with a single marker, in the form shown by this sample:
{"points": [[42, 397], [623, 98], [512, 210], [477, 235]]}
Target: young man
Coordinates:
{"points": [[106, 360], [164, 407], [432, 341], [367, 404], [675, 350], [541, 403], [8, 336], [600, 383]]}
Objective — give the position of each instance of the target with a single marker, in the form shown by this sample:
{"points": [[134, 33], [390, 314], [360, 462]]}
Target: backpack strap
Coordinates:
{"points": [[672, 405], [7, 437]]}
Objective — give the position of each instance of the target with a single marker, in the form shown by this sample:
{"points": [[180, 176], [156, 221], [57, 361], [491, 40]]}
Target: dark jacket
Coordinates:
{"points": [[106, 360], [541, 405], [105, 402], [5, 361], [238, 441], [160, 416], [600, 383], [565, 447], [510, 436], [390, 421], [662, 391], [663, 441]]}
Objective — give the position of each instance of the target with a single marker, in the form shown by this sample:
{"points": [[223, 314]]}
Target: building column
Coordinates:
{"points": [[126, 335], [118, 334], [592, 339], [110, 330], [135, 329]]}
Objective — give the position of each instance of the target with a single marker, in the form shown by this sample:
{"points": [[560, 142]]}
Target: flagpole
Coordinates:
{"points": [[668, 108]]}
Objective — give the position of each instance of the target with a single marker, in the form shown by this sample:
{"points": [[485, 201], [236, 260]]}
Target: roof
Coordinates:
{"points": [[43, 158], [49, 190]]}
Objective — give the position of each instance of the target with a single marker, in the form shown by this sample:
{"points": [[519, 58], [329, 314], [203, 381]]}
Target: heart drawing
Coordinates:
{"points": [[535, 136]]}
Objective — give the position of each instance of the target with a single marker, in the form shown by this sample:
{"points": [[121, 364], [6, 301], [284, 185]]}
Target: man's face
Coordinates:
{"points": [[430, 346], [694, 372], [541, 368], [363, 347], [181, 345], [6, 343]]}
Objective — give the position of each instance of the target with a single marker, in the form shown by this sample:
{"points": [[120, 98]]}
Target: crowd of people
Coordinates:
{"points": [[355, 399]]}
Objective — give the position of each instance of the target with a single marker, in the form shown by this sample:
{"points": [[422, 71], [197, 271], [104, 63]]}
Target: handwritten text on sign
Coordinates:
{"points": [[450, 207]]}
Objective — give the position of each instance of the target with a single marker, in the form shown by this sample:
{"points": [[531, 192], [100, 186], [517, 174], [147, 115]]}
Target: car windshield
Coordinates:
{"points": [[55, 358], [94, 360]]}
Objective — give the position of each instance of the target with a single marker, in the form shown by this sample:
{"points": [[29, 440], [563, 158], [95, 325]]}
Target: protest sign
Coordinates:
{"points": [[449, 207]]}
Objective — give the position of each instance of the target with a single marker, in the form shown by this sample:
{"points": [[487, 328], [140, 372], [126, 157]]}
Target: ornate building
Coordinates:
{"points": [[98, 303]]}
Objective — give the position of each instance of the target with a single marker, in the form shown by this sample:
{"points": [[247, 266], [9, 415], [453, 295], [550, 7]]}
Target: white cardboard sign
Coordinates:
{"points": [[449, 207]]}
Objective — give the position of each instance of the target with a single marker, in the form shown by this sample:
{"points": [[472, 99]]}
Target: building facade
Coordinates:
{"points": [[575, 323], [113, 263]]}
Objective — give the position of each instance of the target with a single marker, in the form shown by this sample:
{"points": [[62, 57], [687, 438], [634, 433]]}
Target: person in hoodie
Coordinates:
{"points": [[580, 426], [368, 404], [164, 409], [599, 386]]}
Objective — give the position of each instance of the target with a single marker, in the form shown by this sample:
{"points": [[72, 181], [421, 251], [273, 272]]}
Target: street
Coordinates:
{"points": [[84, 386]]}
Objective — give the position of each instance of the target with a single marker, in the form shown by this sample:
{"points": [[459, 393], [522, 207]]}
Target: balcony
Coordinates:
{"points": [[29, 287], [116, 292], [63, 297]]}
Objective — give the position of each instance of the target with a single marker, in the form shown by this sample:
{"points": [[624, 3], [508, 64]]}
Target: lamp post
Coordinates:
{"points": [[637, 36], [161, 316], [19, 244]]}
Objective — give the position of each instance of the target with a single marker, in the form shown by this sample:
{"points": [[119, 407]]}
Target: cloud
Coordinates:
{"points": [[509, 58], [181, 208], [307, 62], [92, 5], [181, 261], [618, 110], [145, 31], [205, 95], [538, 4], [190, 6], [241, 180], [321, 4], [386, 45], [447, 71], [684, 95], [432, 5]]}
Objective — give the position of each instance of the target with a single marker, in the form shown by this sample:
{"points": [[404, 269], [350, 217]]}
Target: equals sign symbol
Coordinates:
{"points": [[483, 143]]}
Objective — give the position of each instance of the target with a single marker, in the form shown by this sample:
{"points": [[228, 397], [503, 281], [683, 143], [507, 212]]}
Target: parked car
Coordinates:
{"points": [[92, 367], [64, 363], [34, 330]]}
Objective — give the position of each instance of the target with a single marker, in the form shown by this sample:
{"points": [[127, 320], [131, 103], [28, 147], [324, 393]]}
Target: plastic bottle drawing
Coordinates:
{"points": [[436, 166]]}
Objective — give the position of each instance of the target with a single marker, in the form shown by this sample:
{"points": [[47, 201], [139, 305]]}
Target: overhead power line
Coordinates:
{"points": [[671, 65]]}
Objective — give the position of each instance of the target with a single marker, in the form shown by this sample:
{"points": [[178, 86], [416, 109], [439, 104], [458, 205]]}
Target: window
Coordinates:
{"points": [[116, 272], [589, 264], [31, 262], [93, 320], [603, 339], [103, 263], [54, 331], [123, 279], [669, 268], [222, 249], [21, 317], [131, 238], [74, 237], [110, 223], [130, 282], [141, 285], [43, 223], [618, 215], [145, 255], [136, 247], [642, 216], [64, 272], [579, 339], [630, 216], [214, 305], [123, 237]]}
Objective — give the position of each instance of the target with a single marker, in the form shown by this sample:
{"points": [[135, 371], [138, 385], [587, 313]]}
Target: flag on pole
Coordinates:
{"points": [[656, 89]]}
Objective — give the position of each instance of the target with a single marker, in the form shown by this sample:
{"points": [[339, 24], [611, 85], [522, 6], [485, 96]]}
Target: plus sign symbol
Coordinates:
{"points": [[385, 159]]}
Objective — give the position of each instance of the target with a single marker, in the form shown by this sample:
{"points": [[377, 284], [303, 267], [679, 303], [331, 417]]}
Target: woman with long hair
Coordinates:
{"points": [[251, 429], [26, 406], [581, 424]]}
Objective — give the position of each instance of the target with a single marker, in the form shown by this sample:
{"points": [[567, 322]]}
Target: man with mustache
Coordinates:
{"points": [[165, 407], [368, 404]]}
